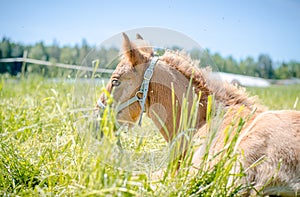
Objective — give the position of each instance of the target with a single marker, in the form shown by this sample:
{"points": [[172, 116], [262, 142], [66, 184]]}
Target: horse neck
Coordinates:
{"points": [[227, 112], [159, 105]]}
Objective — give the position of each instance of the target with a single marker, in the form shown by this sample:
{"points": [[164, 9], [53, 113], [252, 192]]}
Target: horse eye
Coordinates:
{"points": [[115, 82]]}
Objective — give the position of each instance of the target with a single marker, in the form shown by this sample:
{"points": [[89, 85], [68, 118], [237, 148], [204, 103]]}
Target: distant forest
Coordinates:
{"points": [[262, 66]]}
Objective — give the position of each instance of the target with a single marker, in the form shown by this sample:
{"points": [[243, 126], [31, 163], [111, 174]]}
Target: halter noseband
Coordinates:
{"points": [[143, 91]]}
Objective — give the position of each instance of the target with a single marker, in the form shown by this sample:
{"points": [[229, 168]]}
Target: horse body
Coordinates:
{"points": [[272, 137]]}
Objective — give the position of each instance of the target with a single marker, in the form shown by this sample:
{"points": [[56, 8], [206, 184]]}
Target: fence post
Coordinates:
{"points": [[25, 53]]}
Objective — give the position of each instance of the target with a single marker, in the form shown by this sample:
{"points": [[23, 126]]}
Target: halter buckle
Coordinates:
{"points": [[139, 95]]}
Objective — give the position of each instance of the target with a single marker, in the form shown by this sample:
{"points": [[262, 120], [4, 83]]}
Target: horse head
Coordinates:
{"points": [[143, 82], [127, 79]]}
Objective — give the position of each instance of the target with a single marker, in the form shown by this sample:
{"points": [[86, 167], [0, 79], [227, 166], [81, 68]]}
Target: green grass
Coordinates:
{"points": [[49, 147], [278, 97]]}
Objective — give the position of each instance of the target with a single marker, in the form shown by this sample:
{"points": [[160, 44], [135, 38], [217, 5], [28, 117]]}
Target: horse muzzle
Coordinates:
{"points": [[100, 104]]}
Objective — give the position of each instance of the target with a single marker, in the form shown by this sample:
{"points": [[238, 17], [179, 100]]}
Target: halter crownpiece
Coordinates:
{"points": [[143, 91]]}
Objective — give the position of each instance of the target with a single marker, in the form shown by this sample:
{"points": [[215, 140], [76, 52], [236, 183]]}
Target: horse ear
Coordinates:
{"points": [[144, 46], [130, 51], [138, 36], [126, 43]]}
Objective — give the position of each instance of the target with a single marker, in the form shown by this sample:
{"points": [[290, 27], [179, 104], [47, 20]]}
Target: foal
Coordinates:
{"points": [[142, 82]]}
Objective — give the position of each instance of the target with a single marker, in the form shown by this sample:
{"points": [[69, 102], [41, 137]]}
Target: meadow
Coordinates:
{"points": [[50, 145]]}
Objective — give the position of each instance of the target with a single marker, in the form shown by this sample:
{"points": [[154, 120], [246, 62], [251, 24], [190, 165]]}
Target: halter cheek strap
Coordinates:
{"points": [[145, 86]]}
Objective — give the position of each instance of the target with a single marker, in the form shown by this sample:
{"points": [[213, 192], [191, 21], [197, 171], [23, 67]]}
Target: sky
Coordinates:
{"points": [[229, 27]]}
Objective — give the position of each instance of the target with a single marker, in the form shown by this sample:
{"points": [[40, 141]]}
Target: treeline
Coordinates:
{"points": [[75, 55], [263, 66]]}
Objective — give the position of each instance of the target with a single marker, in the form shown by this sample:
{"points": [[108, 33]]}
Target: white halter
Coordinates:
{"points": [[143, 91]]}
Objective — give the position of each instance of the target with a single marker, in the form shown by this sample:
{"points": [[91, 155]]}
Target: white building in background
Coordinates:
{"points": [[243, 80]]}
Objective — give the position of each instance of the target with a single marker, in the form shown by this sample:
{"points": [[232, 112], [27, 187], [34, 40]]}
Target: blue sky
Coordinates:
{"points": [[230, 27]]}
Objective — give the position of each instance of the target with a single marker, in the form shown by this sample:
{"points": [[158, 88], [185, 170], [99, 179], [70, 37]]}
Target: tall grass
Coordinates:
{"points": [[279, 97], [50, 147]]}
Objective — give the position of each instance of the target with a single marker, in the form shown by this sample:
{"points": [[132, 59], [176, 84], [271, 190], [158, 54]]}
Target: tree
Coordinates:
{"points": [[204, 57], [265, 67], [283, 72], [53, 52], [219, 61], [38, 52], [5, 48], [231, 65], [68, 55], [294, 68], [247, 66], [17, 50], [5, 52], [84, 50], [112, 56]]}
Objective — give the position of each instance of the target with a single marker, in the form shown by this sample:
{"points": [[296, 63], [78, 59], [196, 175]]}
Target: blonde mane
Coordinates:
{"points": [[205, 81]]}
